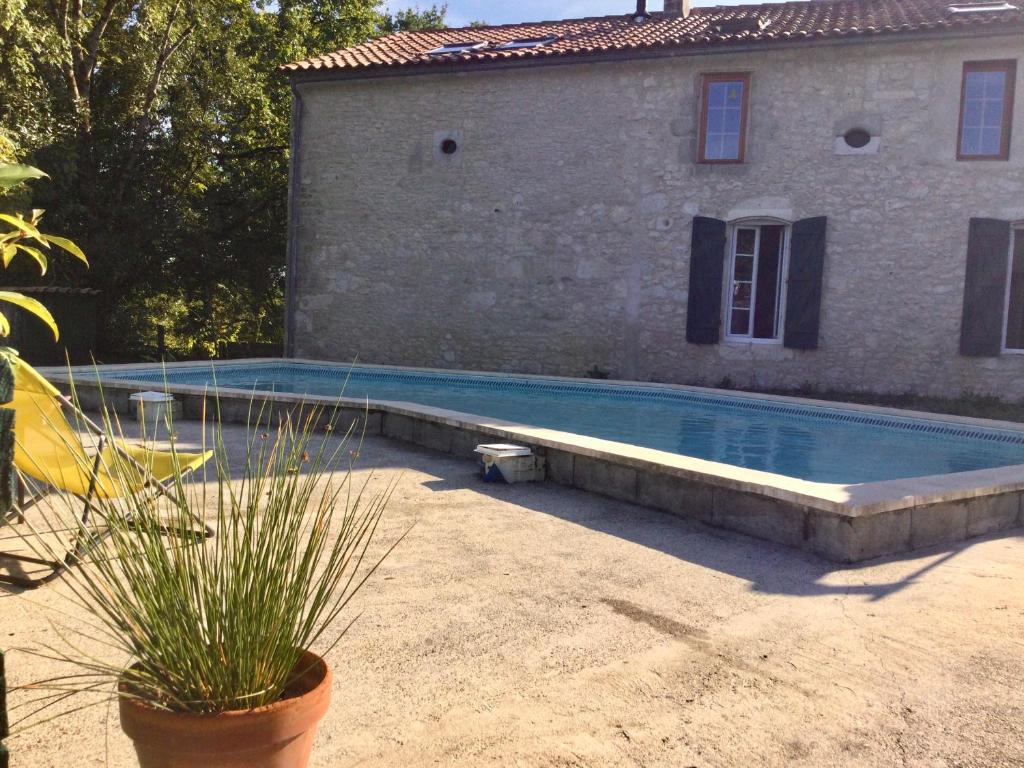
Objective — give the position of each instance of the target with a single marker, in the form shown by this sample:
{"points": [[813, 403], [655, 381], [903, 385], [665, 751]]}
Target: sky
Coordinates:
{"points": [[462, 12]]}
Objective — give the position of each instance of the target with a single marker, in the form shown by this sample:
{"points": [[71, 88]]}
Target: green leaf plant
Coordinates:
{"points": [[21, 234]]}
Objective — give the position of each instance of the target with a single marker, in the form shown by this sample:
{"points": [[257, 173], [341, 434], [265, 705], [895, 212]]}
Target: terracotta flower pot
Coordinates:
{"points": [[279, 735]]}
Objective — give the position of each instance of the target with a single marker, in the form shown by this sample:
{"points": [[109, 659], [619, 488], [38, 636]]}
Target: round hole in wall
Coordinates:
{"points": [[857, 138], [449, 146]]}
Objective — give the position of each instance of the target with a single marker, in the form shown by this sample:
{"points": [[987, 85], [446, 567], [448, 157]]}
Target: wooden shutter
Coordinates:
{"points": [[803, 287], [988, 252], [707, 268]]}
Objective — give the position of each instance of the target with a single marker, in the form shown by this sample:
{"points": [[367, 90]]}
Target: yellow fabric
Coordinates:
{"points": [[48, 449]]}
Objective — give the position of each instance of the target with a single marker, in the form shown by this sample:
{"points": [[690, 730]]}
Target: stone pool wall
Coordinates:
{"points": [[844, 534]]}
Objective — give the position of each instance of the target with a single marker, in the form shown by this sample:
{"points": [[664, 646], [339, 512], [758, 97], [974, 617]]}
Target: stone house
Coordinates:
{"points": [[824, 192]]}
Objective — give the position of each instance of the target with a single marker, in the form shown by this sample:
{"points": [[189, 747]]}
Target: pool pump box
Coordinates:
{"points": [[154, 411], [504, 463]]}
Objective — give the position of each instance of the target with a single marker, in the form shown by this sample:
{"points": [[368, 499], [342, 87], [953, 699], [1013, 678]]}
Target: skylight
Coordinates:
{"points": [[473, 45], [751, 23], [981, 7], [526, 42]]}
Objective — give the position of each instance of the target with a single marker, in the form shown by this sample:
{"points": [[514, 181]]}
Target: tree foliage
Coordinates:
{"points": [[165, 125], [414, 18]]}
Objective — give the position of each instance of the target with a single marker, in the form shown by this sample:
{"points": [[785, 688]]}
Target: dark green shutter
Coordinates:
{"points": [[988, 253], [707, 268], [803, 287]]}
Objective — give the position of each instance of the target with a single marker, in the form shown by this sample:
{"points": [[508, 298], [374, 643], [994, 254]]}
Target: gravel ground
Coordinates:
{"points": [[535, 625]]}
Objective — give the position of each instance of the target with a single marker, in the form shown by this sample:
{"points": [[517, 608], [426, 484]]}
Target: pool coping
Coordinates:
{"points": [[850, 501]]}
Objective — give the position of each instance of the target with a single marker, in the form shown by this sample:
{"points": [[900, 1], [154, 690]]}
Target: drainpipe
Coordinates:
{"points": [[294, 177]]}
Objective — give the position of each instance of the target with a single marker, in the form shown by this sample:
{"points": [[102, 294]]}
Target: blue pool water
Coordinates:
{"points": [[823, 444]]}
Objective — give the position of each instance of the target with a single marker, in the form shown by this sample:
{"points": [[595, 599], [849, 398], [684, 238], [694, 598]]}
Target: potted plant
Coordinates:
{"points": [[220, 633]]}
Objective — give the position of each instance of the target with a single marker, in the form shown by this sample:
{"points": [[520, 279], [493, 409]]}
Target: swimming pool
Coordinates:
{"points": [[818, 443]]}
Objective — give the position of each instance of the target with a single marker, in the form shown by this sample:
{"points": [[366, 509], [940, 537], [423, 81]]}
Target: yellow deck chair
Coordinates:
{"points": [[49, 450]]}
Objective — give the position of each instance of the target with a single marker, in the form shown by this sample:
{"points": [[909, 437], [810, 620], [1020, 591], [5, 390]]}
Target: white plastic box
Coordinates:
{"points": [[151, 410], [505, 463]]}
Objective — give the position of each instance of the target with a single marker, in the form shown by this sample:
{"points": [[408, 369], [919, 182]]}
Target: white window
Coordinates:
{"points": [[756, 298], [1013, 333], [467, 47], [526, 42], [981, 7]]}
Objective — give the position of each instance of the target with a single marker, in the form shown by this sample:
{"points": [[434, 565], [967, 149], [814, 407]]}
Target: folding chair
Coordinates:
{"points": [[49, 450]]}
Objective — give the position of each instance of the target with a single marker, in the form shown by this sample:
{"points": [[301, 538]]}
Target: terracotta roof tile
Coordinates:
{"points": [[704, 27]]}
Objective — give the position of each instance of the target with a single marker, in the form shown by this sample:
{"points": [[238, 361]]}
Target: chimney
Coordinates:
{"points": [[641, 10], [677, 7]]}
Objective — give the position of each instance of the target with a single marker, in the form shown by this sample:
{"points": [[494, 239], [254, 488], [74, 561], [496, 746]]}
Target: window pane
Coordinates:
{"points": [[995, 82], [983, 110], [740, 322], [971, 144], [744, 268], [992, 113], [769, 260], [723, 121], [741, 295], [713, 147], [730, 121], [730, 146], [974, 85], [991, 140], [1015, 310], [745, 239], [973, 109], [734, 94], [716, 95]]}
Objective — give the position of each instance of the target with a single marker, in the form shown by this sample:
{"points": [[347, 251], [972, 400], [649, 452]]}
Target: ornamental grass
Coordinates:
{"points": [[207, 626]]}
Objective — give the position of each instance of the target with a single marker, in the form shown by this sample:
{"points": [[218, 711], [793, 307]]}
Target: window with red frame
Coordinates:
{"points": [[986, 110], [723, 118]]}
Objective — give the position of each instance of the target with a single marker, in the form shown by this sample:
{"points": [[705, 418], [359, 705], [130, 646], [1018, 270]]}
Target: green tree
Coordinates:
{"points": [[165, 124], [411, 19]]}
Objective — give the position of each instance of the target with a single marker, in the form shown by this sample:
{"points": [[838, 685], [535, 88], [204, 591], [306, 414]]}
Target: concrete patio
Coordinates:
{"points": [[544, 626]]}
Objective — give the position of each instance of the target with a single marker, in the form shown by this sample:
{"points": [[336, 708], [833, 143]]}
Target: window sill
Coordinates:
{"points": [[741, 340], [983, 158], [1012, 352]]}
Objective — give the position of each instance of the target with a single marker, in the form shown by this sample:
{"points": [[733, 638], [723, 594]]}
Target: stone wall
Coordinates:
{"points": [[557, 237]]}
